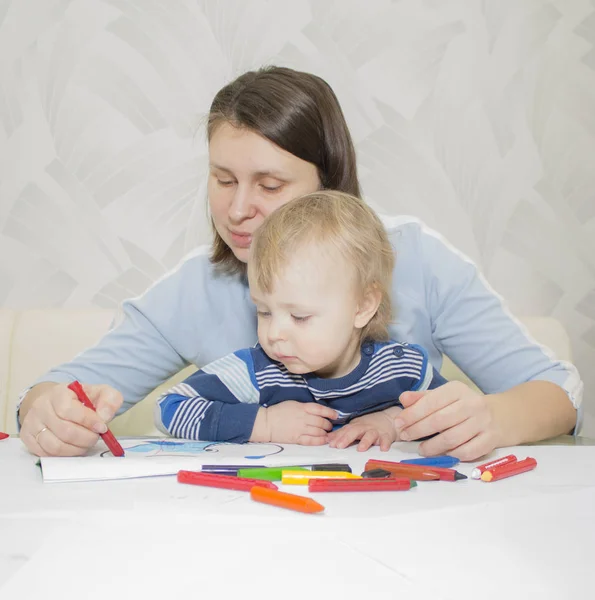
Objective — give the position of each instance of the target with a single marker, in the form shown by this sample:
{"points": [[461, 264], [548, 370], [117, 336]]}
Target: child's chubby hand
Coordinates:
{"points": [[291, 422], [374, 429]]}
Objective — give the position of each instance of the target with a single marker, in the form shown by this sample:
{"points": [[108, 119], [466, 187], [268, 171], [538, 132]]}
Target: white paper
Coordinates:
{"points": [[155, 457], [205, 559], [539, 547]]}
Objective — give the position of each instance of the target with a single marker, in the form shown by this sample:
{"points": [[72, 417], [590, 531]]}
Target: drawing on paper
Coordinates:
{"points": [[159, 447]]}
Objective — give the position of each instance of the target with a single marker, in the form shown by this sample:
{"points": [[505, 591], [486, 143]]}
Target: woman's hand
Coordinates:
{"points": [[55, 423], [373, 429], [462, 418]]}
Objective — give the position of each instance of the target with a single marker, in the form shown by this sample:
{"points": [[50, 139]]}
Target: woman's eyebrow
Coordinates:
{"points": [[220, 168], [269, 173], [263, 173]]}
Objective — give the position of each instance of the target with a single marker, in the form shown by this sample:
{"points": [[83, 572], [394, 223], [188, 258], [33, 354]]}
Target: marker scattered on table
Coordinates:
{"points": [[376, 474], [268, 473], [418, 472], [433, 461], [393, 484], [233, 469], [508, 470], [446, 474], [285, 500], [3, 435], [227, 482], [303, 477], [476, 473], [108, 437]]}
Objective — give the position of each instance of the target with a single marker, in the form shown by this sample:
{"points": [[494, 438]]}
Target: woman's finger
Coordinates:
{"points": [[441, 420], [410, 398], [450, 439], [106, 399], [475, 448], [429, 403], [32, 429], [72, 434], [51, 445]]}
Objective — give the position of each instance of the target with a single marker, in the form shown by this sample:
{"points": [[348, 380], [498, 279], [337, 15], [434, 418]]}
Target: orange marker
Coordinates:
{"points": [[513, 468], [285, 500]]}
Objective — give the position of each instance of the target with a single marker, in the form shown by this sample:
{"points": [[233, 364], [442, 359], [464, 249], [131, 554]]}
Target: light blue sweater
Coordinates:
{"points": [[441, 302]]}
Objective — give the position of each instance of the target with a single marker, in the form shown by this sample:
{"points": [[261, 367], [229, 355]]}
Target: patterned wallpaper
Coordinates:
{"points": [[478, 116]]}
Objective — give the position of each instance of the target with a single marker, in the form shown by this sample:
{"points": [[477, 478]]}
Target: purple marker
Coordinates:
{"points": [[228, 469]]}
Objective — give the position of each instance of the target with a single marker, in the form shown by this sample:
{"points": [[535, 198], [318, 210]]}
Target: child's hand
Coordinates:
{"points": [[305, 423], [374, 429]]}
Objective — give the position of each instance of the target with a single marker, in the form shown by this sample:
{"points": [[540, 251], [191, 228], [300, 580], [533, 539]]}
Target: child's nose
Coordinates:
{"points": [[276, 331]]}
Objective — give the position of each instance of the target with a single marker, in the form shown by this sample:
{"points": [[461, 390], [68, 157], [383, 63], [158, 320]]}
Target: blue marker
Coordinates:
{"points": [[434, 461]]}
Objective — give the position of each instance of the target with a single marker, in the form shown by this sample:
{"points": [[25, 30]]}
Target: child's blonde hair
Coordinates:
{"points": [[334, 219]]}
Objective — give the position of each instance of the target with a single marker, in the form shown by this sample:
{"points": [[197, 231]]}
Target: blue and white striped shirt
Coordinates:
{"points": [[219, 402]]}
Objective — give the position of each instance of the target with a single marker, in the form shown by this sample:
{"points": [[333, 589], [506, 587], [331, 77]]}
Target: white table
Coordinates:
{"points": [[531, 536]]}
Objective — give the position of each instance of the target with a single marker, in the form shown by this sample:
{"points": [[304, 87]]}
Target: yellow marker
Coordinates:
{"points": [[302, 477]]}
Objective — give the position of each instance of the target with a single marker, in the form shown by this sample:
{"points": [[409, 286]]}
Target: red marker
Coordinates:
{"points": [[3, 435], [513, 468], [108, 437], [394, 484], [418, 472], [227, 482], [447, 474], [476, 473]]}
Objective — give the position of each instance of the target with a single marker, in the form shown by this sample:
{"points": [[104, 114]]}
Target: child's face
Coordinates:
{"points": [[310, 320]]}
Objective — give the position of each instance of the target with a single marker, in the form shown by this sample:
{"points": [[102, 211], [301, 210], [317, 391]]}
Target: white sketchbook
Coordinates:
{"points": [[151, 457]]}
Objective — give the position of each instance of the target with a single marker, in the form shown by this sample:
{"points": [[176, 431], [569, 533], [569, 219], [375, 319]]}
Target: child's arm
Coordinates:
{"points": [[217, 403], [291, 422]]}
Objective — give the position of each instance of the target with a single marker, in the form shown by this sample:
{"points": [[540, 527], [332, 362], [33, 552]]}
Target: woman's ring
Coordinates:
{"points": [[39, 433]]}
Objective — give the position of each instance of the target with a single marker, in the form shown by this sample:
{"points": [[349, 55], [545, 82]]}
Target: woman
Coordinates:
{"points": [[275, 134]]}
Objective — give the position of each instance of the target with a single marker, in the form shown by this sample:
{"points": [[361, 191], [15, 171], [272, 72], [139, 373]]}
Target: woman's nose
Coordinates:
{"points": [[242, 206]]}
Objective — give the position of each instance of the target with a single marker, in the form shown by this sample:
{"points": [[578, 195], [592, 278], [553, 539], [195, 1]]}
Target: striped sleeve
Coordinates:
{"points": [[429, 377], [216, 403]]}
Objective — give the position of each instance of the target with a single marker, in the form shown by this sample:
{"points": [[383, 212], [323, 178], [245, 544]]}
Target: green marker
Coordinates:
{"points": [[267, 473]]}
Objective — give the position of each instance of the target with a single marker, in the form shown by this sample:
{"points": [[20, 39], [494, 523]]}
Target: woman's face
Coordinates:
{"points": [[249, 178]]}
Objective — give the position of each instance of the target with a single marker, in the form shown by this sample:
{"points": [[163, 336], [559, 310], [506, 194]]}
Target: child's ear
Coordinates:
{"points": [[367, 306]]}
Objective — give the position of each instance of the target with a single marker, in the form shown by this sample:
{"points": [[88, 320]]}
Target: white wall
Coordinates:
{"points": [[477, 116]]}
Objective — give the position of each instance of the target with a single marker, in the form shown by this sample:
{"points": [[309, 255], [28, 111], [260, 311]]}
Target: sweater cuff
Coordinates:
{"points": [[229, 422]]}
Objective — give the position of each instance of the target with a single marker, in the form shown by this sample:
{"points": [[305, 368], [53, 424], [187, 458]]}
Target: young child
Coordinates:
{"points": [[319, 272]]}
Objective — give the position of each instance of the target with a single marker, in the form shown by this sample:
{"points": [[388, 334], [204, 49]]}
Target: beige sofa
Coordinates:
{"points": [[32, 341]]}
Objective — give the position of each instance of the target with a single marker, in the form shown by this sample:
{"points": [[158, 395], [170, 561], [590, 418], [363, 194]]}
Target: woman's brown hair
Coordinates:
{"points": [[298, 112]]}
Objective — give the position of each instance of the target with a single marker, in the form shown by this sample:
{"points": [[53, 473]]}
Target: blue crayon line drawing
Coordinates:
{"points": [[151, 448]]}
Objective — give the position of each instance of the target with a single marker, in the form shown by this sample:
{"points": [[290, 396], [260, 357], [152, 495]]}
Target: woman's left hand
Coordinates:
{"points": [[462, 418]]}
